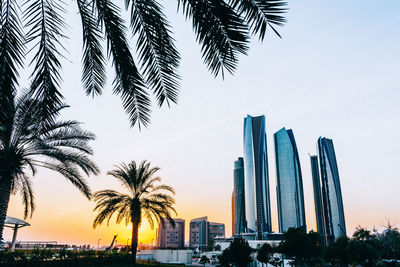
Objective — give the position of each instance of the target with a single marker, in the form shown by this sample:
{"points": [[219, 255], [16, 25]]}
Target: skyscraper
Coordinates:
{"points": [[238, 201], [289, 188], [331, 191], [256, 182], [319, 210], [170, 237]]}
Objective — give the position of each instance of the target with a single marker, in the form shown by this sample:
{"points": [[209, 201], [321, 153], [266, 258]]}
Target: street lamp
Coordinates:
{"points": [[127, 242], [98, 243]]}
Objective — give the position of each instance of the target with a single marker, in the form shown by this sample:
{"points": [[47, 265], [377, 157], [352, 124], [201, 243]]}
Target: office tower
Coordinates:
{"points": [[319, 211], [256, 183], [198, 233], [331, 192], [238, 203], [289, 182], [201, 231], [170, 237]]}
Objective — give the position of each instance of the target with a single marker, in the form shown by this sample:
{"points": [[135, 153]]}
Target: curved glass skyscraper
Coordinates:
{"points": [[331, 191], [319, 210], [239, 221], [256, 182], [289, 188]]}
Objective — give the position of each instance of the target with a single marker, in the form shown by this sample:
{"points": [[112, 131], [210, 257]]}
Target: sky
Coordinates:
{"points": [[334, 73]]}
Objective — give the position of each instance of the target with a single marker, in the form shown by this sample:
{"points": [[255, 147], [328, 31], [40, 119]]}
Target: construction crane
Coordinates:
{"points": [[112, 244]]}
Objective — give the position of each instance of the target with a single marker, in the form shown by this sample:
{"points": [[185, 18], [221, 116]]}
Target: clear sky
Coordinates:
{"points": [[335, 73]]}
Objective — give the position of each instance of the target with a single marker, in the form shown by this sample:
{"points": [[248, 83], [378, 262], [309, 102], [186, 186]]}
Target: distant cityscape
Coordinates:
{"points": [[251, 212], [251, 200]]}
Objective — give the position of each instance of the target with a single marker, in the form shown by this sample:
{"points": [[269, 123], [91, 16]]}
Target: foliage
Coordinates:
{"points": [[204, 259], [365, 248], [210, 244], [50, 258], [238, 253], [36, 30], [144, 199], [265, 254], [304, 248], [30, 140]]}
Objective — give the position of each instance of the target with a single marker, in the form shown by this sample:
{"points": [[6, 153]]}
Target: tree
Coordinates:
{"points": [[337, 252], [302, 247], [144, 199], [238, 253], [390, 241], [364, 248], [28, 141], [210, 244], [222, 28], [204, 260], [265, 253]]}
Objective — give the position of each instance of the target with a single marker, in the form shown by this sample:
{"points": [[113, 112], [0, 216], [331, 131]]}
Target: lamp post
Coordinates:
{"points": [[127, 242], [98, 243]]}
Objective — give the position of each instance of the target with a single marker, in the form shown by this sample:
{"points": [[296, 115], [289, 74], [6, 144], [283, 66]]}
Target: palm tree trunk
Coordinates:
{"points": [[5, 191], [134, 244]]}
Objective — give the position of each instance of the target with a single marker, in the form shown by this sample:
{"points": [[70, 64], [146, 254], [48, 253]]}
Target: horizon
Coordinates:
{"points": [[334, 73]]}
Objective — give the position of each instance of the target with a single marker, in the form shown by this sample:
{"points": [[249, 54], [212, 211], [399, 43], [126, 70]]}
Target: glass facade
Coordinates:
{"points": [[331, 191], [291, 212], [256, 182], [238, 201], [319, 211]]}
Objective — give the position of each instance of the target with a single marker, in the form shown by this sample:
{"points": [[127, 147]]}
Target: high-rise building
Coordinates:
{"points": [[319, 210], [198, 233], [331, 191], [291, 212], [201, 231], [233, 212], [169, 236], [256, 182], [239, 223]]}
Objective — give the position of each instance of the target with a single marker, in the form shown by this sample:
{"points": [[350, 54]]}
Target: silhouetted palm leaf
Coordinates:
{"points": [[29, 141], [144, 199], [11, 51], [94, 74], [44, 21], [157, 52], [260, 14], [222, 28]]}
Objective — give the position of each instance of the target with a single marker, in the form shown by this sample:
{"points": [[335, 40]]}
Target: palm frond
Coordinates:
{"points": [[259, 14], [128, 81], [43, 19], [94, 74], [145, 199], [222, 33], [12, 50], [28, 197], [157, 52]]}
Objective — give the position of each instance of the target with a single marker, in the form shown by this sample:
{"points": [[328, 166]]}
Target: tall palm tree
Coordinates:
{"points": [[144, 199], [28, 141], [222, 27]]}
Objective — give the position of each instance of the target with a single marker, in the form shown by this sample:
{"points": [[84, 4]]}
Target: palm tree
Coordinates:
{"points": [[144, 199], [28, 140], [223, 29]]}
